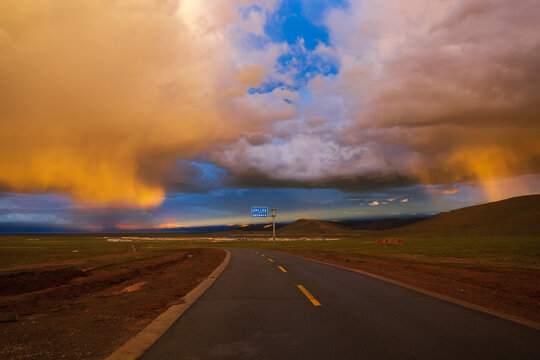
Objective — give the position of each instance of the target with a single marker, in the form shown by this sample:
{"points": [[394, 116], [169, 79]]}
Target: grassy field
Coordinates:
{"points": [[496, 271], [514, 250], [511, 250], [26, 250]]}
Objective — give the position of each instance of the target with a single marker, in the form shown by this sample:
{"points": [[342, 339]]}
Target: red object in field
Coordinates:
{"points": [[394, 241]]}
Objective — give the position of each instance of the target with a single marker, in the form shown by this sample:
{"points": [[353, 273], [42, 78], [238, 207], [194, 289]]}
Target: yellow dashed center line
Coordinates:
{"points": [[302, 289], [309, 296]]}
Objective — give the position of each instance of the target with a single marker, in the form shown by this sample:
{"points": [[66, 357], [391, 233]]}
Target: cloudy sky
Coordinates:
{"points": [[134, 114]]}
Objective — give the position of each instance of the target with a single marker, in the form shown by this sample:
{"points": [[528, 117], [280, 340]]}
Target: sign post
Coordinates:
{"points": [[262, 211], [274, 228]]}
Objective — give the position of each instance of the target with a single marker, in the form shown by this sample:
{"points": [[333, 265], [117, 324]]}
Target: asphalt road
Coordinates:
{"points": [[255, 310]]}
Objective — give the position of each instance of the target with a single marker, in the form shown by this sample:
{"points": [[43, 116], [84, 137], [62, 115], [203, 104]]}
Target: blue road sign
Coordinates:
{"points": [[259, 211]]}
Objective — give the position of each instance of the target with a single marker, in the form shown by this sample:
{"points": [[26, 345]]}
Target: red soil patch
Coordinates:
{"points": [[69, 262], [20, 283], [135, 287], [87, 314]]}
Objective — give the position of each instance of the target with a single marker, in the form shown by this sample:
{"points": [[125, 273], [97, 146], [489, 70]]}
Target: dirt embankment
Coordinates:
{"points": [[73, 313], [508, 289]]}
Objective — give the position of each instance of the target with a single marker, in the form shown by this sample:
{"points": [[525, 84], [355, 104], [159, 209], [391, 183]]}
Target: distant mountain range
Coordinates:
{"points": [[515, 215], [312, 227], [24, 228]]}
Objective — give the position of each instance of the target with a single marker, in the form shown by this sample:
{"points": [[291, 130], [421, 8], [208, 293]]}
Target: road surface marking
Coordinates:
{"points": [[282, 269], [270, 260], [309, 296]]}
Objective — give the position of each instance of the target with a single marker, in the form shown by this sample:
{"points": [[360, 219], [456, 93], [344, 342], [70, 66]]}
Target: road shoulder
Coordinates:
{"points": [[136, 346]]}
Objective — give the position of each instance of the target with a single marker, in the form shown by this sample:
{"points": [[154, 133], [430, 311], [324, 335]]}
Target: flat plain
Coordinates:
{"points": [[97, 290]]}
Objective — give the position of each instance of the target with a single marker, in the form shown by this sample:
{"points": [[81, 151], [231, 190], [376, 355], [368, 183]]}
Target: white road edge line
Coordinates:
{"points": [[513, 318], [138, 344]]}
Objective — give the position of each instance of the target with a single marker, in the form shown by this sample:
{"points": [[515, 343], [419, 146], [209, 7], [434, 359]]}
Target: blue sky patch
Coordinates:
{"points": [[300, 24], [297, 19]]}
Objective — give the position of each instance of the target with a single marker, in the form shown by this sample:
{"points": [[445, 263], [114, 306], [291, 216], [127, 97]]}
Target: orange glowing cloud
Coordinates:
{"points": [[169, 226], [488, 164], [404, 200], [267, 226], [98, 98], [450, 191]]}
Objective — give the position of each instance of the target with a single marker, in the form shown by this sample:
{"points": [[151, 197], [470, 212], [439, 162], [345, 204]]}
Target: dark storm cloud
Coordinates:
{"points": [[429, 92]]}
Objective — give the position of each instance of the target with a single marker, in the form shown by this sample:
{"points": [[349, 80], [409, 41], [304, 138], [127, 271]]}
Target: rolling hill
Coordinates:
{"points": [[515, 215], [380, 224], [309, 227]]}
